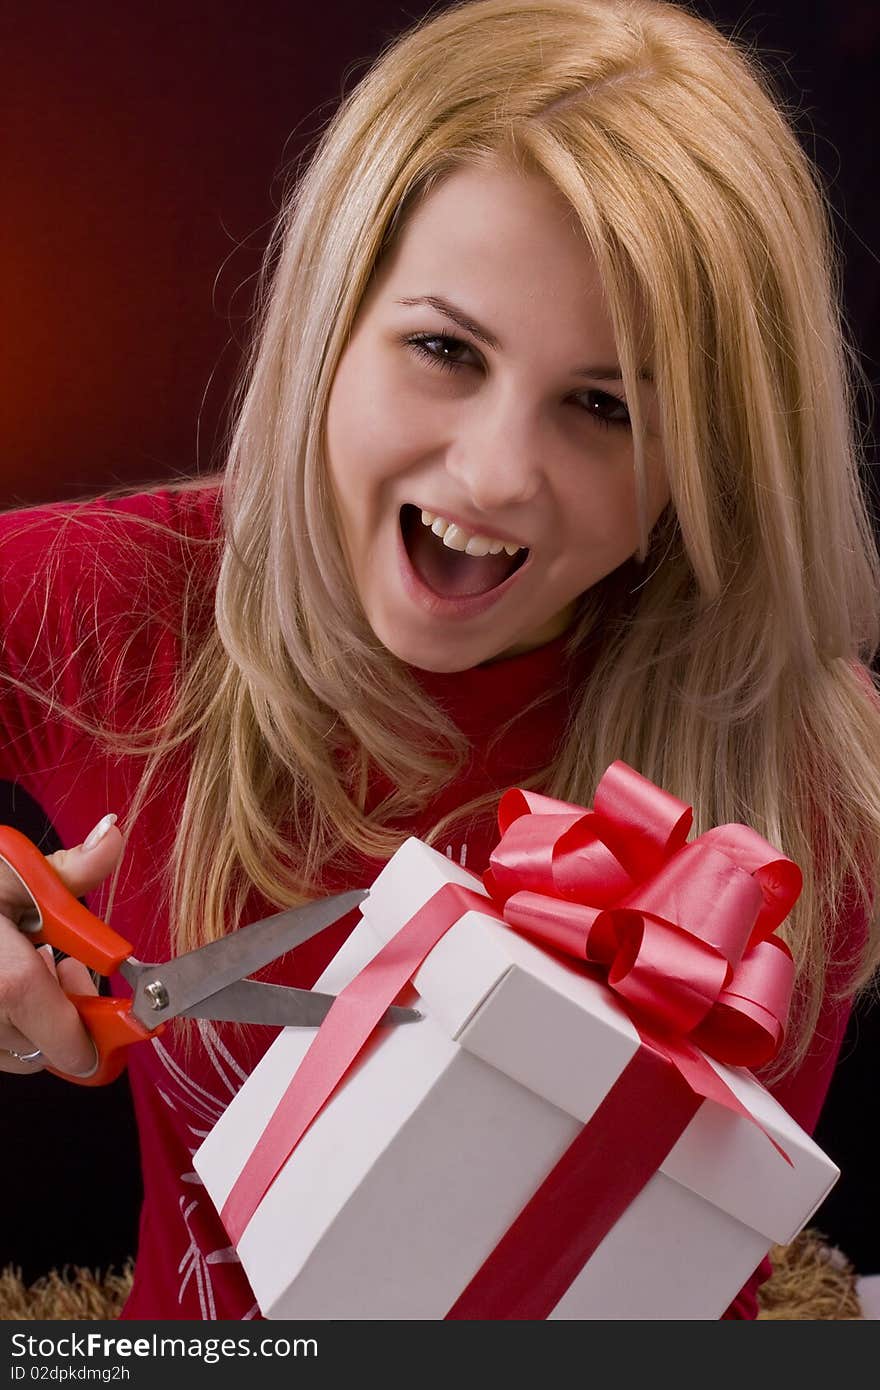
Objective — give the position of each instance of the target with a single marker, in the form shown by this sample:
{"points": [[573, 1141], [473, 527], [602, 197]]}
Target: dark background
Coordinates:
{"points": [[143, 152]]}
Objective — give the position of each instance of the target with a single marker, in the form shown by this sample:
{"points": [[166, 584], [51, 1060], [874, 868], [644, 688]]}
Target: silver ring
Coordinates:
{"points": [[36, 1056]]}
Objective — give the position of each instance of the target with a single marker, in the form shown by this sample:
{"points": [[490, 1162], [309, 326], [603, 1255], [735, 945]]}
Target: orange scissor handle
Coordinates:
{"points": [[64, 921], [113, 1030]]}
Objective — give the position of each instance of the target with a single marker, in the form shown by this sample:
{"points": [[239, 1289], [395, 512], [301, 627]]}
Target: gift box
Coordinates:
{"points": [[500, 1157]]}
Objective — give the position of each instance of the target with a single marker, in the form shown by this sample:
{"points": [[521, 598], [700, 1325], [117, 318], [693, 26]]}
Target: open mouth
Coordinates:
{"points": [[451, 573]]}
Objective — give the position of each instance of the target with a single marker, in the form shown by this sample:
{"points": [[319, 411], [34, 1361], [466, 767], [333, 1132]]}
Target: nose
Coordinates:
{"points": [[496, 459]]}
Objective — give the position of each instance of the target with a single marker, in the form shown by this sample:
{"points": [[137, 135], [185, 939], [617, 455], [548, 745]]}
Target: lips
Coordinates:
{"points": [[451, 573]]}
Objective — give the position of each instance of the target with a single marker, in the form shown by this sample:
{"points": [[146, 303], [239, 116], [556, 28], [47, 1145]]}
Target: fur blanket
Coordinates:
{"points": [[811, 1280]]}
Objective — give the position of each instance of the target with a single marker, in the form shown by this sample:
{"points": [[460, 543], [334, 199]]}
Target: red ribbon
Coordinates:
{"points": [[684, 935], [684, 931]]}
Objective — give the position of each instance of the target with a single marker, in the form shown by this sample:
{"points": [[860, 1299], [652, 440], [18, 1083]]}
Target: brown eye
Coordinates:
{"points": [[605, 409], [439, 349]]}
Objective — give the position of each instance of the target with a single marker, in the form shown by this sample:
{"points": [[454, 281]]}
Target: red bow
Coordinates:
{"points": [[684, 931]]}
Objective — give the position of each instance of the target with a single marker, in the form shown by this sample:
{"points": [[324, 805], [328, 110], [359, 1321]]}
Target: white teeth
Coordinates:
{"points": [[477, 545], [457, 539], [481, 545]]}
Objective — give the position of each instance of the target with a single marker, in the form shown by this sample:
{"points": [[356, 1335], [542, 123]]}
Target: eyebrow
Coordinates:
{"points": [[609, 371]]}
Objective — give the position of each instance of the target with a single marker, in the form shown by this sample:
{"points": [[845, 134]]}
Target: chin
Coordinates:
{"points": [[443, 660], [438, 662]]}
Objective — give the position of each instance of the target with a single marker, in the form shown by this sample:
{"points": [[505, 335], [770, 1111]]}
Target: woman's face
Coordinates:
{"points": [[481, 387]]}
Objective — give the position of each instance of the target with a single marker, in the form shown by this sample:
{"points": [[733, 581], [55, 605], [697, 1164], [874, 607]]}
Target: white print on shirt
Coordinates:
{"points": [[193, 1263], [202, 1109]]}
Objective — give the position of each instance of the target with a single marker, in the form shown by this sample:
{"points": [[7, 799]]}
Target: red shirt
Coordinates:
{"points": [[120, 667]]}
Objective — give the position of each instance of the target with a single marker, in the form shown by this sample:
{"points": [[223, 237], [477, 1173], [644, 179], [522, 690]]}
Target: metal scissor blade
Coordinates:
{"points": [[164, 991], [253, 1001]]}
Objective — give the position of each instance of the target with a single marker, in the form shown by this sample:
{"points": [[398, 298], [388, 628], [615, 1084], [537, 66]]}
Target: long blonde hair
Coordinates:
{"points": [[733, 646]]}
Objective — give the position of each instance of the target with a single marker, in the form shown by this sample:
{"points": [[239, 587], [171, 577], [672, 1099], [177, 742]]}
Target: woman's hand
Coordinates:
{"points": [[35, 1014]]}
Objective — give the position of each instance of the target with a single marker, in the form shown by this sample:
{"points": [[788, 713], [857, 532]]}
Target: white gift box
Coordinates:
{"points": [[444, 1129]]}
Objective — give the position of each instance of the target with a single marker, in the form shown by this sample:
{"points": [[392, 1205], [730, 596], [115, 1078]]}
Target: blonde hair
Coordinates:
{"points": [[729, 647]]}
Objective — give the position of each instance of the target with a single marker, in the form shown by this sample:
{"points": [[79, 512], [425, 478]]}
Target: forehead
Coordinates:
{"points": [[497, 237]]}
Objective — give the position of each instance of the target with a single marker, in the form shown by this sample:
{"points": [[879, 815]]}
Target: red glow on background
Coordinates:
{"points": [[144, 149]]}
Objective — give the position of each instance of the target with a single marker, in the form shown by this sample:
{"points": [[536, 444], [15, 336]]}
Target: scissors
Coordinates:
{"points": [[209, 982]]}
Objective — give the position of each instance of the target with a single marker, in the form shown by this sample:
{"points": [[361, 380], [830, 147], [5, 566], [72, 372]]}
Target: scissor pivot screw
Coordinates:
{"points": [[157, 994]]}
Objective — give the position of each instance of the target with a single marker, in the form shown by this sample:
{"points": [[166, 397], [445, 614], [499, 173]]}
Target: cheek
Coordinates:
{"points": [[602, 510], [374, 426], [603, 506]]}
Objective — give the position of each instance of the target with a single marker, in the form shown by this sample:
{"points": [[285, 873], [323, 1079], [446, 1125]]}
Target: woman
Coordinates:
{"points": [[543, 457]]}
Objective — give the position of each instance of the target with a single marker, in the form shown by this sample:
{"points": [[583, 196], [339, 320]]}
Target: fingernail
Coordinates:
{"points": [[48, 955], [97, 834]]}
